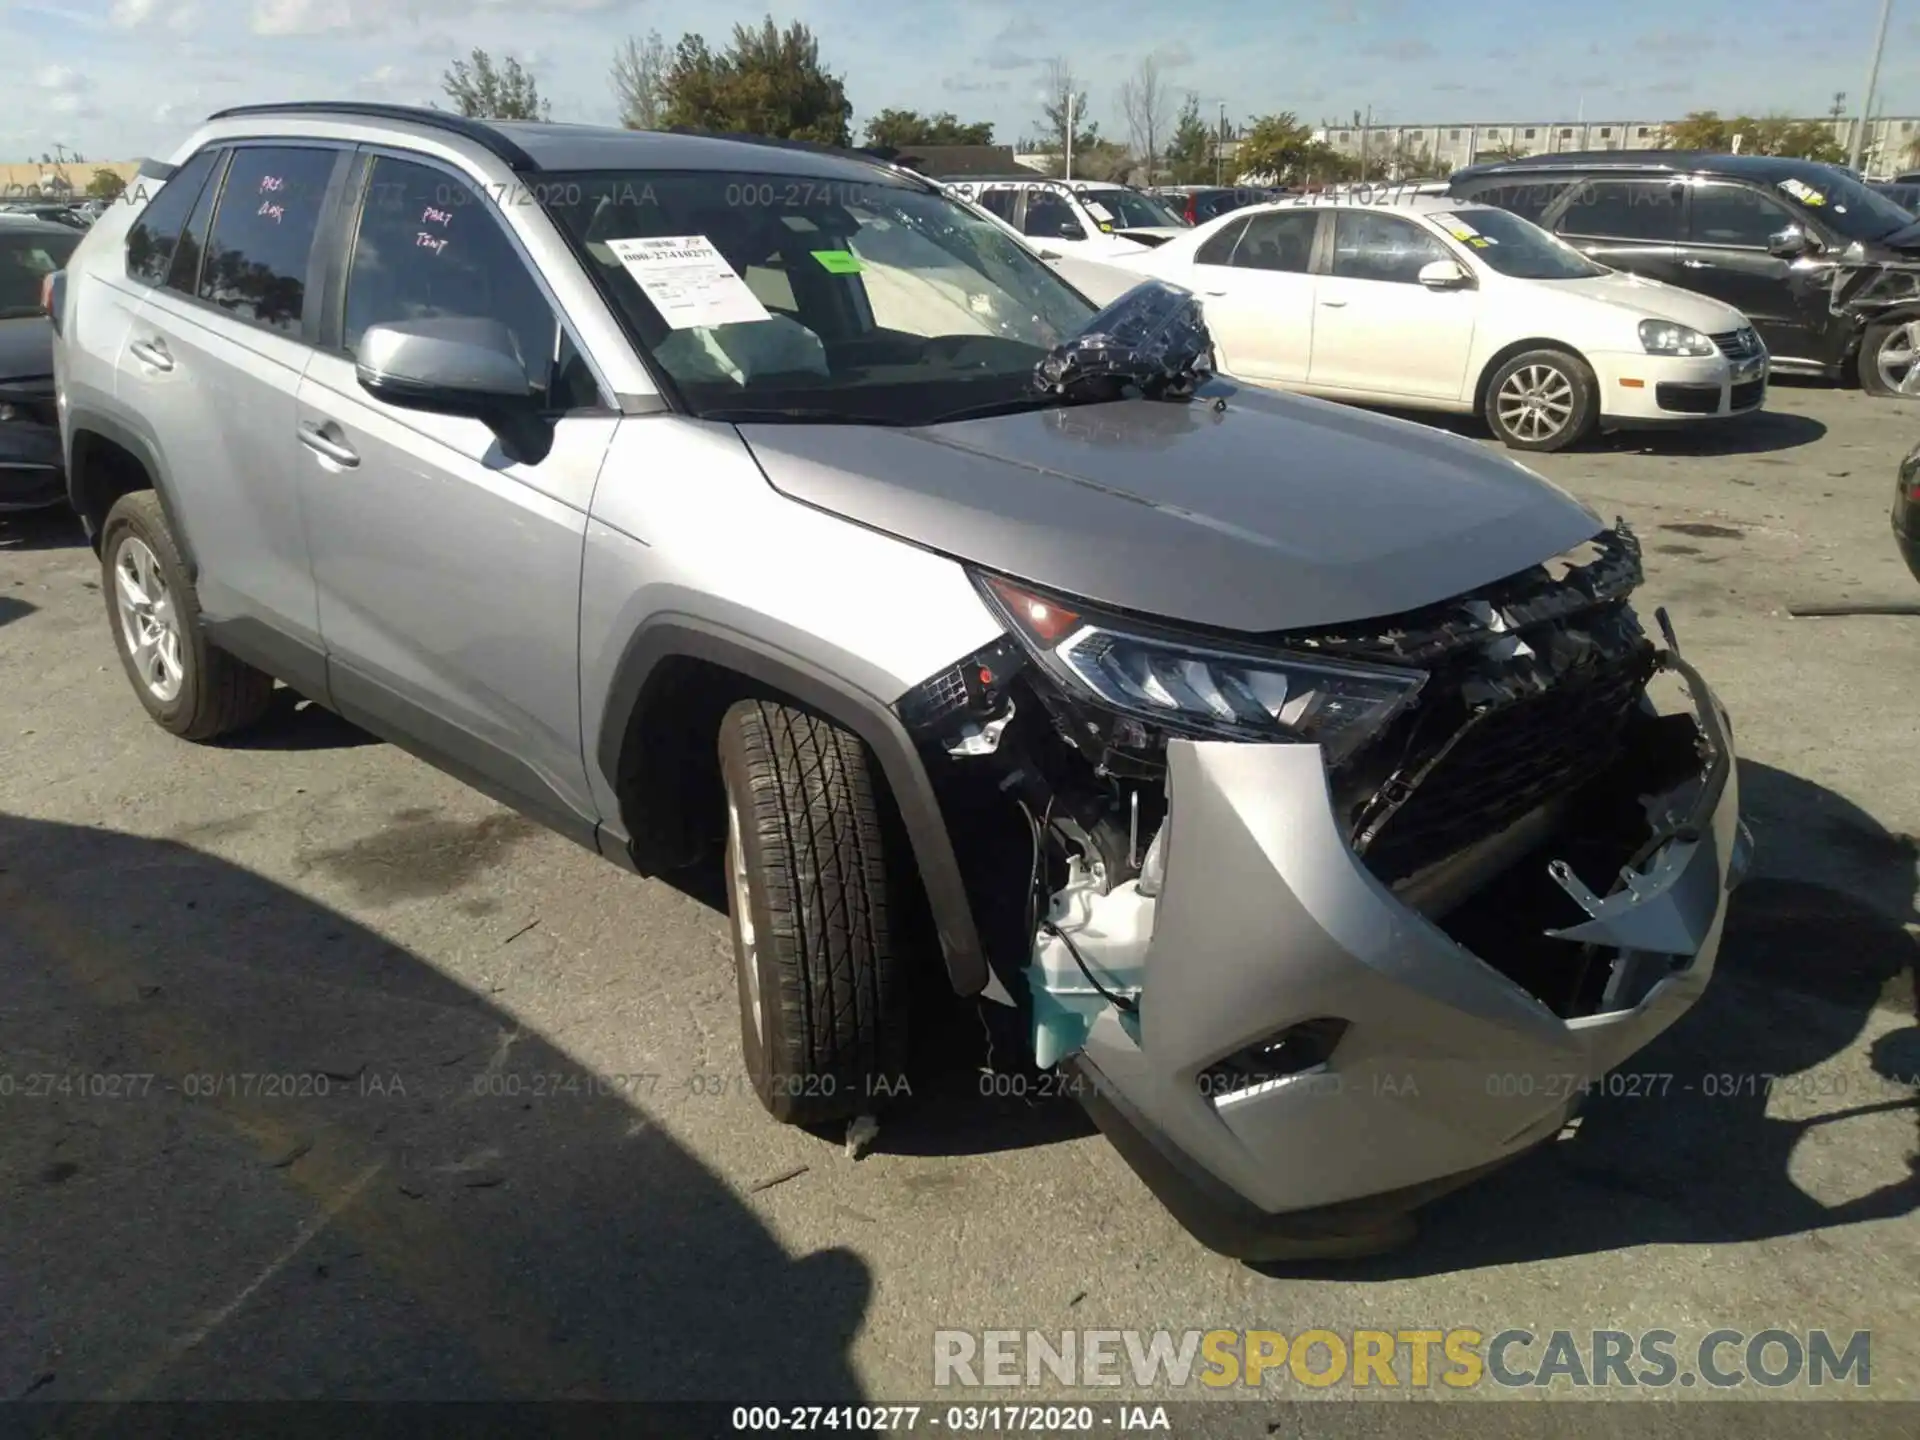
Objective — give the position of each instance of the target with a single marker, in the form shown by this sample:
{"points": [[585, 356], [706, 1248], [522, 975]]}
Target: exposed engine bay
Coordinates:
{"points": [[1497, 761]]}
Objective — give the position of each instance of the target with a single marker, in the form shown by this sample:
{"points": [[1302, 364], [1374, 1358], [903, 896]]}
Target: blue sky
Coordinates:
{"points": [[122, 78]]}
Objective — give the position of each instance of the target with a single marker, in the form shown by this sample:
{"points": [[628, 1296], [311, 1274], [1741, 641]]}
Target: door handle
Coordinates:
{"points": [[1698, 264], [152, 352], [316, 439], [1334, 304]]}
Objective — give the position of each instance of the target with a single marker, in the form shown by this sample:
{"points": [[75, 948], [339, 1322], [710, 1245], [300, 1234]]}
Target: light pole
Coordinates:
{"points": [[1070, 135], [1873, 78]]}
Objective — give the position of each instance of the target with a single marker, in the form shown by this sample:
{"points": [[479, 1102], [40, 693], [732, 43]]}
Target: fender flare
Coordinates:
{"points": [[147, 452], [683, 636]]}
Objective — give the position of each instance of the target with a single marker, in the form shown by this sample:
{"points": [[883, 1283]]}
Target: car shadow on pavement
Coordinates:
{"points": [[1760, 434], [12, 609], [1817, 955], [54, 528], [250, 1149], [297, 723]]}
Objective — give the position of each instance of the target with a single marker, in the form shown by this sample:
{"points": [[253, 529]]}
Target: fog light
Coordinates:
{"points": [[1298, 1051]]}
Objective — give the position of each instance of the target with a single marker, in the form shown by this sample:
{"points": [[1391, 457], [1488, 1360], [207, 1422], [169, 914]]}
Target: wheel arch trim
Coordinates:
{"points": [[143, 448], [687, 637]]}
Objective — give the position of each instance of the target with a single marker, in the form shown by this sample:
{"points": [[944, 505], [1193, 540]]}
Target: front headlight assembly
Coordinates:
{"points": [[1664, 337], [1201, 687]]}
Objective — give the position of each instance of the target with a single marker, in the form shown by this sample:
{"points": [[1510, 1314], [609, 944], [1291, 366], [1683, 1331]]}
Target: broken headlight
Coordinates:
{"points": [[1195, 686]]}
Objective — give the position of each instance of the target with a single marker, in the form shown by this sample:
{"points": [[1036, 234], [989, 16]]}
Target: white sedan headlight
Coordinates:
{"points": [[1664, 337]]}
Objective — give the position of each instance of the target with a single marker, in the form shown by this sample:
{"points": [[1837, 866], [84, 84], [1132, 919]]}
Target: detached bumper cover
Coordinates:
{"points": [[1449, 1069]]}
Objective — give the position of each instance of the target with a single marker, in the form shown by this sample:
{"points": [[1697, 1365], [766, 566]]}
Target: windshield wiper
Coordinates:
{"points": [[1015, 406], [747, 415]]}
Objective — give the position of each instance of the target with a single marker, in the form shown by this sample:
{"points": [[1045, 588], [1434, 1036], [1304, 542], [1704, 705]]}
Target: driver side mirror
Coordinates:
{"points": [[1071, 230], [1445, 275], [1790, 243], [457, 365]]}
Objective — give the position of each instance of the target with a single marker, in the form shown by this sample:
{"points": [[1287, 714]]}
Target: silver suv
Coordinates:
{"points": [[1302, 778]]}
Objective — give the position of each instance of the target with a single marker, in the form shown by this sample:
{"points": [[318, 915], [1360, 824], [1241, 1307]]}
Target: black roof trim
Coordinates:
{"points": [[809, 147], [1682, 162], [478, 131]]}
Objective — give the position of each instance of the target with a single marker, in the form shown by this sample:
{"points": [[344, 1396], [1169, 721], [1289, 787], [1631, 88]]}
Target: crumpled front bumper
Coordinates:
{"points": [[1266, 919]]}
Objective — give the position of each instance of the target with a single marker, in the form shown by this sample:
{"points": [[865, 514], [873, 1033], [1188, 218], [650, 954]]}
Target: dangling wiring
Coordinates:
{"points": [[1036, 899]]}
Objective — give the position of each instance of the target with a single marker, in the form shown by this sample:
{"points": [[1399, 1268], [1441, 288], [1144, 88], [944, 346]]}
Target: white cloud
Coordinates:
{"points": [[368, 17]]}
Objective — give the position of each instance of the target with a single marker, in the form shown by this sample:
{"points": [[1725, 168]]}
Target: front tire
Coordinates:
{"points": [[1542, 400], [811, 897], [189, 685], [1890, 360]]}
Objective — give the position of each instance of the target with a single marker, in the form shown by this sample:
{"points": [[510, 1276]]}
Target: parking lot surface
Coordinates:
{"points": [[324, 1075]]}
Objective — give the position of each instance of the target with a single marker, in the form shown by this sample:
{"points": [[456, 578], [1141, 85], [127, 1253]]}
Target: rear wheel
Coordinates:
{"points": [[1541, 400], [188, 684], [810, 893], [1890, 359]]}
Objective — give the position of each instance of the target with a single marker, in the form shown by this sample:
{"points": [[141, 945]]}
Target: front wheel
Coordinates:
{"points": [[1542, 400], [189, 685], [811, 890], [1890, 359]]}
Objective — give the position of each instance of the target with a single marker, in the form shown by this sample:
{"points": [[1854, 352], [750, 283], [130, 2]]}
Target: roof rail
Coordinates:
{"points": [[477, 131], [811, 147]]}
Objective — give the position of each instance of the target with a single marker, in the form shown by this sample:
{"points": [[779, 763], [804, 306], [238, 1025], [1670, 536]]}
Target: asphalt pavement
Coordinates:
{"points": [[322, 1075]]}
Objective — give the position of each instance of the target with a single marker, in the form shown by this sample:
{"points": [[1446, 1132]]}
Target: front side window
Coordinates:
{"points": [[427, 247], [1735, 215], [999, 202], [262, 236], [1217, 248], [1371, 246], [791, 297], [1505, 243], [1050, 217], [156, 231], [1624, 210], [1278, 240], [27, 257]]}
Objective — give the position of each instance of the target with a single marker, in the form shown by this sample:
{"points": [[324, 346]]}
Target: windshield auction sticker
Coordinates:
{"points": [[1461, 230], [689, 281], [1803, 192]]}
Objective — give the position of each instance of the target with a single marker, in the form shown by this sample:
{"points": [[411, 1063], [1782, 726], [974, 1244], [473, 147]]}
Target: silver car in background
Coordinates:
{"points": [[1302, 780]]}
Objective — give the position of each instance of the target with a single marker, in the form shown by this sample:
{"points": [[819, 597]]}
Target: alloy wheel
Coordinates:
{"points": [[1898, 359], [1535, 402], [148, 620]]}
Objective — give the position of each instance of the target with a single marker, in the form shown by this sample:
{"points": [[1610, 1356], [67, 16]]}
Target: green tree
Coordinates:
{"points": [[506, 91], [769, 82], [105, 184], [1189, 155], [639, 77], [1799, 139], [1275, 146], [901, 128], [1700, 130], [1505, 150], [1064, 106]]}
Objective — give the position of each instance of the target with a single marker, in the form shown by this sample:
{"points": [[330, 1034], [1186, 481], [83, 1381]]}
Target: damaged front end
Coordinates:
{"points": [[1346, 913]]}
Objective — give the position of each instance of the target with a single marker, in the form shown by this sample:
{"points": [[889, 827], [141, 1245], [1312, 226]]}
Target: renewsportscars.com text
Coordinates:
{"points": [[1459, 1359]]}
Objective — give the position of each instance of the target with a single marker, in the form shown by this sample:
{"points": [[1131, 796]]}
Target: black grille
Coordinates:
{"points": [[1747, 394], [1686, 399], [35, 405], [1507, 759], [1737, 344]]}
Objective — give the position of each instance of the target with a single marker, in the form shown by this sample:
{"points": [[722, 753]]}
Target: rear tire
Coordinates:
{"points": [[1542, 400], [823, 995], [189, 685], [1889, 360]]}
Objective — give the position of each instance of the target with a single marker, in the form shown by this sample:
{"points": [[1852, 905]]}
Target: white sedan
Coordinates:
{"points": [[1432, 303]]}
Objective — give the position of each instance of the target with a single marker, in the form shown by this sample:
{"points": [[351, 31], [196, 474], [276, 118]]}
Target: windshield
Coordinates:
{"points": [[869, 300], [1845, 205], [1128, 209], [26, 258], [1516, 247]]}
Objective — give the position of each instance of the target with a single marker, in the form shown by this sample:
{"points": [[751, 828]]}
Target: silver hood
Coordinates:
{"points": [[1276, 513]]}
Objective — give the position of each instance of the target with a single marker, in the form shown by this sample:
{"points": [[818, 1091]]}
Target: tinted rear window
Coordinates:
{"points": [[151, 241], [256, 263]]}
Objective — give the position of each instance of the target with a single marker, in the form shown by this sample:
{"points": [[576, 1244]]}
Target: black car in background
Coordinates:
{"points": [[1201, 203], [1906, 511], [30, 464], [1767, 235]]}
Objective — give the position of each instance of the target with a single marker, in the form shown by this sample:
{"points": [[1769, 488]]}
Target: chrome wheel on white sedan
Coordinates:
{"points": [[1541, 400]]}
